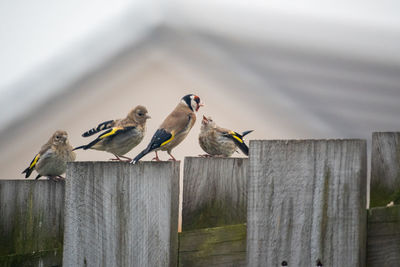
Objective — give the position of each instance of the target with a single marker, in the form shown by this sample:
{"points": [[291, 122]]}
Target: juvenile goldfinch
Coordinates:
{"points": [[121, 136], [174, 128], [51, 161], [217, 141]]}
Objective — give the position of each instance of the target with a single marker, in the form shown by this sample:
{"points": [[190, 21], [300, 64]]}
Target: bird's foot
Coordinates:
{"points": [[206, 156], [118, 158], [55, 178], [156, 159], [172, 157]]}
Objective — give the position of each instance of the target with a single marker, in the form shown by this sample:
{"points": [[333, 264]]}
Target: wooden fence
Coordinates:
{"points": [[294, 202]]}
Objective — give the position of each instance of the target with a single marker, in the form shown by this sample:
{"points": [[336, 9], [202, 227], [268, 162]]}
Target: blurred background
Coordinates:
{"points": [[286, 69]]}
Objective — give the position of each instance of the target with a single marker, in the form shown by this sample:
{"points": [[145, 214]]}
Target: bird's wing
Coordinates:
{"points": [[102, 126], [160, 138], [109, 134]]}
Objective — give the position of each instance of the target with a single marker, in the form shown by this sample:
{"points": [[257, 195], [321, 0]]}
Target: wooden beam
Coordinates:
{"points": [[307, 201], [383, 237], [214, 192], [219, 246], [385, 168], [118, 214], [31, 222]]}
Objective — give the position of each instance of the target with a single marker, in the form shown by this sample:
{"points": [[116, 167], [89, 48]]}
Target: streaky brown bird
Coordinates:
{"points": [[51, 161], [119, 136], [220, 142]]}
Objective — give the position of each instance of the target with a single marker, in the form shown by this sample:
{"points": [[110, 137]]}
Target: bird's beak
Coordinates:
{"points": [[205, 120], [201, 104], [148, 117]]}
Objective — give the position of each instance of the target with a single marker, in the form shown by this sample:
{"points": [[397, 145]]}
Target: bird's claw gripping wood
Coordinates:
{"points": [[118, 158], [205, 156]]}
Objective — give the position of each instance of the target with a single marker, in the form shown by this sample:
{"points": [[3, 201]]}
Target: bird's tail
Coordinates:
{"points": [[246, 133], [141, 154], [84, 147], [243, 147], [238, 139], [102, 126], [28, 172]]}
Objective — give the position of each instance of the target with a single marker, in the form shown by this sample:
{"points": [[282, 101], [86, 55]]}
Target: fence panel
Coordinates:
{"points": [[307, 201], [31, 222], [383, 237], [385, 168], [118, 214], [214, 192]]}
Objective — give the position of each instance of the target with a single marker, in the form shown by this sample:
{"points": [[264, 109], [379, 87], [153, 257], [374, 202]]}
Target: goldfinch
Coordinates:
{"points": [[121, 135], [51, 161], [174, 128], [217, 141]]}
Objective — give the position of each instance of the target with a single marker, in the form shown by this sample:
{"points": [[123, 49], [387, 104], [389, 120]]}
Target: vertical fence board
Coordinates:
{"points": [[31, 222], [385, 168], [383, 237], [118, 214], [214, 192], [307, 201]]}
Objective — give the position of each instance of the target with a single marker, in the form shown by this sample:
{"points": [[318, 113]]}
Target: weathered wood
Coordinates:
{"points": [[214, 192], [385, 168], [383, 237], [307, 201], [31, 222], [220, 246], [118, 214]]}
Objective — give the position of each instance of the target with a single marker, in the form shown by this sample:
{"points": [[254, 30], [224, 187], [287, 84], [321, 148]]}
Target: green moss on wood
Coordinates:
{"points": [[40, 258], [211, 246], [214, 214], [381, 196]]}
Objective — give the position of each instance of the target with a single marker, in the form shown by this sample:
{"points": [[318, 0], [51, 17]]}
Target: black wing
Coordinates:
{"points": [[160, 138], [102, 126]]}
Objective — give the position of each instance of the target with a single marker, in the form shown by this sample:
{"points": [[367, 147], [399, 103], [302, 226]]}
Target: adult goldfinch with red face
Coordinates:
{"points": [[220, 142], [121, 135], [51, 161], [174, 128]]}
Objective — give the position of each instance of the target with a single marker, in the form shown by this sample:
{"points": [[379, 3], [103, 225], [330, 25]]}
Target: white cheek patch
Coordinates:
{"points": [[194, 105]]}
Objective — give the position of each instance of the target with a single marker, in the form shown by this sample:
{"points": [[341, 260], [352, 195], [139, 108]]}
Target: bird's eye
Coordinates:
{"points": [[140, 114]]}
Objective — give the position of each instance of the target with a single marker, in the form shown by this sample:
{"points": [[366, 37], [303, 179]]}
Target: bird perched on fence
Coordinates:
{"points": [[51, 161], [174, 128], [121, 135], [217, 141]]}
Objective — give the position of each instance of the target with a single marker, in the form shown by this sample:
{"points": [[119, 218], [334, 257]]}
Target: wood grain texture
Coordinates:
{"points": [[383, 248], [385, 168], [219, 246], [214, 192], [118, 214], [307, 201], [31, 222]]}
